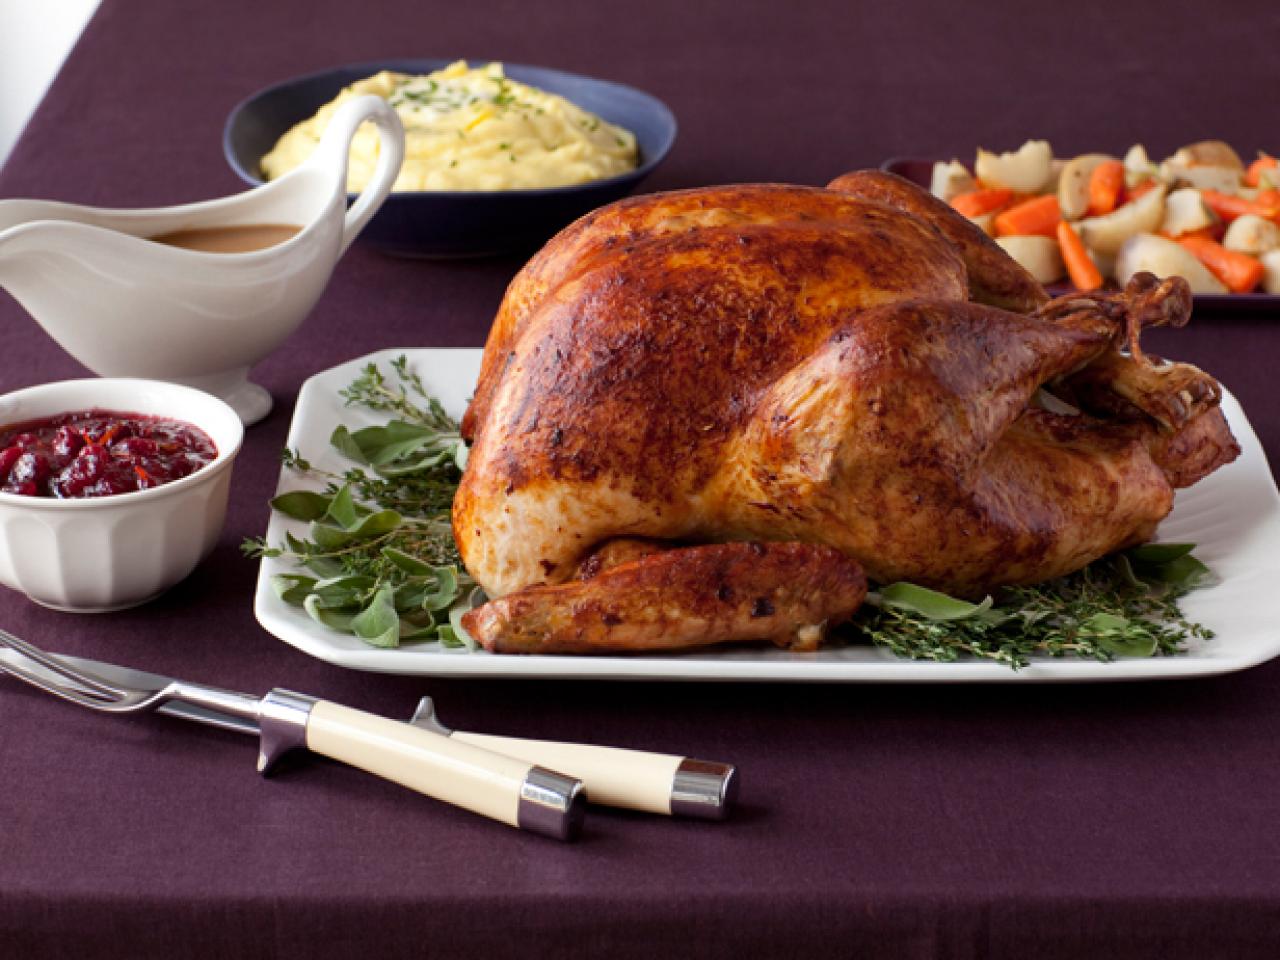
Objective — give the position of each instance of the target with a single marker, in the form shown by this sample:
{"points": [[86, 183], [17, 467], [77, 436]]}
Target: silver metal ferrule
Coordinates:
{"points": [[703, 789], [282, 722], [551, 804]]}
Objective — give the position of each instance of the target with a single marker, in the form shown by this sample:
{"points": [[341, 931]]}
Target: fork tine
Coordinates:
{"points": [[89, 691], [130, 701], [89, 682], [57, 689]]}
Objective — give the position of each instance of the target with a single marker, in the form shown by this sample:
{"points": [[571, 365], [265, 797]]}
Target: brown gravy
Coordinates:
{"points": [[241, 238]]}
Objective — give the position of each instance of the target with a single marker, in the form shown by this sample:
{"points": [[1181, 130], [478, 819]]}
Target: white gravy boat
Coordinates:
{"points": [[126, 306]]}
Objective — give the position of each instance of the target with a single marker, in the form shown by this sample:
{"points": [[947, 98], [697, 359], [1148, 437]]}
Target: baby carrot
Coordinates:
{"points": [[976, 203], [1253, 176], [1229, 208], [1037, 217], [1083, 272], [1269, 198], [1106, 183], [1239, 271]]}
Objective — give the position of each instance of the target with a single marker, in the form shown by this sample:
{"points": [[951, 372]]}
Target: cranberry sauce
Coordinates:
{"points": [[97, 453]]}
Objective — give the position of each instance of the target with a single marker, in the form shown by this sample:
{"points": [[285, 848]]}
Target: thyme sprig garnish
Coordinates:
{"points": [[372, 390], [1122, 605], [379, 554]]}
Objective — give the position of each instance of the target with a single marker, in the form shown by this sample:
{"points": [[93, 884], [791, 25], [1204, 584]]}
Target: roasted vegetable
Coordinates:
{"points": [[1239, 271], [1138, 167], [1252, 234], [1037, 217], [1165, 258], [1080, 266], [1025, 170], [1271, 278], [1108, 233], [1185, 212], [1222, 179], [1073, 187], [1039, 256], [1208, 153], [950, 180], [1197, 194]]}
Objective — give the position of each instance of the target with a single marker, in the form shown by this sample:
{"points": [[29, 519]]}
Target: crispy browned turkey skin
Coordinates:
{"points": [[672, 599], [854, 368]]}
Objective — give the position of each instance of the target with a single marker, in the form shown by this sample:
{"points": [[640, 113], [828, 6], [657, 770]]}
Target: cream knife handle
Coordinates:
{"points": [[633, 779], [514, 791]]}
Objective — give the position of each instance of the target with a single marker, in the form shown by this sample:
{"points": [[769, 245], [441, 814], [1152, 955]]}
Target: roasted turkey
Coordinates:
{"points": [[702, 415]]}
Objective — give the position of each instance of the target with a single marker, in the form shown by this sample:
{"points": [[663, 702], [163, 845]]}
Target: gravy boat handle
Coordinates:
{"points": [[332, 154]]}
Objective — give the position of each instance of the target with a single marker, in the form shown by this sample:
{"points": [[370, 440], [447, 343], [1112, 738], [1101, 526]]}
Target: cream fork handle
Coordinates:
{"points": [[513, 791]]}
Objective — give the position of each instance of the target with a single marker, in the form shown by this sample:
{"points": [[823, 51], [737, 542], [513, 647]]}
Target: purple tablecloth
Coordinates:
{"points": [[1126, 820]]}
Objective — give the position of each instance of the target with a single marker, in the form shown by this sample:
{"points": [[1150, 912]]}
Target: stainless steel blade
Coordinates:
{"points": [[142, 680]]}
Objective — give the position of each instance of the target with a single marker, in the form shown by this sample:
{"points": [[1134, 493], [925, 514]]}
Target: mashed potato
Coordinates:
{"points": [[471, 129]]}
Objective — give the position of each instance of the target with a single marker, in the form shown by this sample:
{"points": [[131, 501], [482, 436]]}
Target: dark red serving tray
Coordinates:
{"points": [[920, 170]]}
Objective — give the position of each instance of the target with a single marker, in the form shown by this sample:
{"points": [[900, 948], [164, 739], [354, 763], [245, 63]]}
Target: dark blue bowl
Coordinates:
{"points": [[467, 223]]}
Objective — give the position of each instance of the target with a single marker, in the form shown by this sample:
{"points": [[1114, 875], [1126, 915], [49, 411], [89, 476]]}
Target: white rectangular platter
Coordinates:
{"points": [[1233, 517]]}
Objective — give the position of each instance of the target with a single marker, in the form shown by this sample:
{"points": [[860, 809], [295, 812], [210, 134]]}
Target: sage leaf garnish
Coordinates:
{"points": [[378, 624], [333, 619], [930, 604], [379, 555], [1159, 553], [292, 588], [301, 504]]}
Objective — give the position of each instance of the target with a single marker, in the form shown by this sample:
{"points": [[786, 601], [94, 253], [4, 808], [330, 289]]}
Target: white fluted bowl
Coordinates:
{"points": [[107, 553]]}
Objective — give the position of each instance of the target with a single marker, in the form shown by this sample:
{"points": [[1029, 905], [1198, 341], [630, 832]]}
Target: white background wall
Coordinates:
{"points": [[35, 36]]}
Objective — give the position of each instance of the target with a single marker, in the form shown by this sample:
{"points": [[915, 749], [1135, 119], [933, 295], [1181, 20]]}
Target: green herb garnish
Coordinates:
{"points": [[379, 557], [504, 95], [1122, 605]]}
